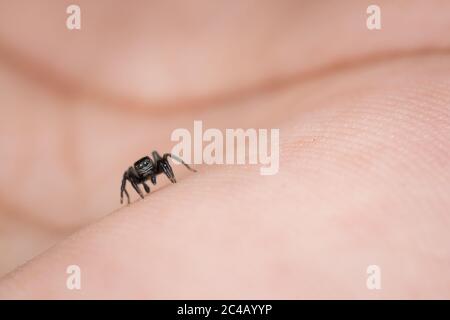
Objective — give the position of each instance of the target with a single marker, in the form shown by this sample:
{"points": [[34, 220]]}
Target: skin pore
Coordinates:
{"points": [[364, 176]]}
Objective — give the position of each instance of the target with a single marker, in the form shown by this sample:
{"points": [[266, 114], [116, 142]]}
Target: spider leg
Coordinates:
{"points": [[146, 187], [156, 156], [167, 169], [136, 187], [166, 155], [123, 188], [134, 180], [163, 165]]}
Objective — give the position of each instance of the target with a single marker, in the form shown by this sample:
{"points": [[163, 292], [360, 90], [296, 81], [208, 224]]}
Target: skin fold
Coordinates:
{"points": [[364, 119]]}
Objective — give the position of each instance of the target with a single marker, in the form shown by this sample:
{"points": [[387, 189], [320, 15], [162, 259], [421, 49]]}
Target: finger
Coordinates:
{"points": [[363, 180], [51, 135]]}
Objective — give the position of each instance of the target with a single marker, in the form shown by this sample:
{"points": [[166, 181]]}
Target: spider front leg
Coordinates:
{"points": [[133, 178], [163, 165], [136, 187], [167, 169], [166, 155]]}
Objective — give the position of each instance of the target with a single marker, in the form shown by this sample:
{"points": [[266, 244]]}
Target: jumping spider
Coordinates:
{"points": [[145, 169]]}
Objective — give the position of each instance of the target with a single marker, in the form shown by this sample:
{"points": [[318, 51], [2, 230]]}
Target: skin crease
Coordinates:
{"points": [[364, 157]]}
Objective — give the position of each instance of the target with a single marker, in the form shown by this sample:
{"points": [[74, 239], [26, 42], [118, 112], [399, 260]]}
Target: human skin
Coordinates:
{"points": [[364, 120]]}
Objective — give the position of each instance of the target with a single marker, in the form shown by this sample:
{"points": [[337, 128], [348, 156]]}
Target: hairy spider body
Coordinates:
{"points": [[147, 169]]}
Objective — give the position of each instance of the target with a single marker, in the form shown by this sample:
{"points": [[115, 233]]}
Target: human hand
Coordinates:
{"points": [[364, 150]]}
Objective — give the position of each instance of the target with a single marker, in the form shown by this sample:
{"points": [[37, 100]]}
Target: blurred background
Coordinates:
{"points": [[79, 106]]}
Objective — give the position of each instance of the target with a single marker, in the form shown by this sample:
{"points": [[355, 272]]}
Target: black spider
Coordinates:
{"points": [[145, 169]]}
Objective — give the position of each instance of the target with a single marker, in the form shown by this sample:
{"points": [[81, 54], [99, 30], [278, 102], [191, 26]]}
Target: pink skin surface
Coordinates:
{"points": [[364, 120]]}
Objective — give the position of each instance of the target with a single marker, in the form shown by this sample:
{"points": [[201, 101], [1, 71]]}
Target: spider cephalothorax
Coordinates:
{"points": [[145, 169]]}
